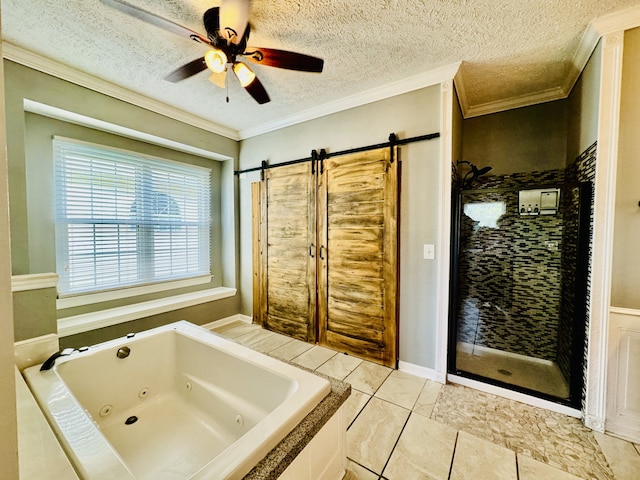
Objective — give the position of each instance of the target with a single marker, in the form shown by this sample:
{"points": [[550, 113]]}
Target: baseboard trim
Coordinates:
{"points": [[422, 372], [517, 396]]}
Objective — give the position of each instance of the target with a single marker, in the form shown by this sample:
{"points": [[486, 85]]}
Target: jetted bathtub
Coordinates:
{"points": [[174, 402]]}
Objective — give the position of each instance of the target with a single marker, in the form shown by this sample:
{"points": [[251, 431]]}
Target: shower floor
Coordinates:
{"points": [[531, 373]]}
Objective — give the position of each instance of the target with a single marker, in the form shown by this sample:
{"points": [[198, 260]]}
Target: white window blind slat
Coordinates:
{"points": [[124, 219]]}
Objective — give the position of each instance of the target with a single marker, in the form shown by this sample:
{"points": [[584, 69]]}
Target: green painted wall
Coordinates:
{"points": [[31, 192], [521, 140]]}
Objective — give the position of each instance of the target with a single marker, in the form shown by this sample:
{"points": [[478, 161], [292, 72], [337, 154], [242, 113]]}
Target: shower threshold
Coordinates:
{"points": [[542, 376]]}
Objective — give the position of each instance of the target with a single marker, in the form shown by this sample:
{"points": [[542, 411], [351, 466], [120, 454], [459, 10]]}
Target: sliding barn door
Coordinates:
{"points": [[357, 278], [288, 244]]}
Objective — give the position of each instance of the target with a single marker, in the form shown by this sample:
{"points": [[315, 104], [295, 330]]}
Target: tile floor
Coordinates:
{"points": [[402, 427]]}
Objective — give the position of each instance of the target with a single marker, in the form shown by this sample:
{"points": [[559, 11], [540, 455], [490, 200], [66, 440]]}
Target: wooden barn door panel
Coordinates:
{"points": [[288, 241], [357, 281]]}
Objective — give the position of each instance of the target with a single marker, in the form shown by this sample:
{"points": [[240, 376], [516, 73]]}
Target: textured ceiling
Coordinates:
{"points": [[509, 48]]}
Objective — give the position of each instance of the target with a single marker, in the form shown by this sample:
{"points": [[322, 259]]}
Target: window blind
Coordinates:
{"points": [[125, 219]]}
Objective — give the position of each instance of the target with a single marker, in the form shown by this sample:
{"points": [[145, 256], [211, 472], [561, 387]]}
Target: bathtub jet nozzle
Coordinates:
{"points": [[49, 362]]}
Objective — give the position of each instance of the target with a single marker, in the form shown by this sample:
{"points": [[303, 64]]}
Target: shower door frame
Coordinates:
{"points": [[581, 289]]}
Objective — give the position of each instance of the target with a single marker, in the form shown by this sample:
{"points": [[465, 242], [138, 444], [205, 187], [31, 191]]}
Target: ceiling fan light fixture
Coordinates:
{"points": [[244, 74], [216, 60]]}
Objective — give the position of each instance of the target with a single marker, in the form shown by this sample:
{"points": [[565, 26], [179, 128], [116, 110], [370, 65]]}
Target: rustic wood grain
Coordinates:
{"points": [[357, 198], [288, 304], [329, 254], [256, 248]]}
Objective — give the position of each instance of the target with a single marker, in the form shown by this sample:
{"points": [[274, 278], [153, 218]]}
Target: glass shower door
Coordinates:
{"points": [[514, 284]]}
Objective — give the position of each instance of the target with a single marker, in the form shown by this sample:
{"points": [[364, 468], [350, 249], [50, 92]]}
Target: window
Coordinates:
{"points": [[125, 219]]}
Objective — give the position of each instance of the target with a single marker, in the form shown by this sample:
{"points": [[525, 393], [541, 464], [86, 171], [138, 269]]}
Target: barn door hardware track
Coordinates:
{"points": [[319, 157]]}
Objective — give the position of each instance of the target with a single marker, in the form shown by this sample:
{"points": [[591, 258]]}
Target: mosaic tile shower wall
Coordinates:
{"points": [[516, 274], [510, 269]]}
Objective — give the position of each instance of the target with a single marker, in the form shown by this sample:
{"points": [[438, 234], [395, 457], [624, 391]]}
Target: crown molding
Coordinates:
{"points": [[614, 22], [581, 57], [549, 95], [406, 85], [51, 67], [617, 21]]}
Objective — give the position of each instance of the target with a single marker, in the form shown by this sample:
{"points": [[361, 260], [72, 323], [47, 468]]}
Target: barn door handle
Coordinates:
{"points": [[322, 248], [312, 247]]}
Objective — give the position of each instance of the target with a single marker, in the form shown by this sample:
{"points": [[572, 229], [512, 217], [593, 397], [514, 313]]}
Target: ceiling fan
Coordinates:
{"points": [[228, 31]]}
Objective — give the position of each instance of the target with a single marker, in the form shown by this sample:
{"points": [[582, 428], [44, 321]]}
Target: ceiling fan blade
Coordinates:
{"points": [[156, 20], [284, 59], [187, 70], [234, 17], [219, 79], [255, 89]]}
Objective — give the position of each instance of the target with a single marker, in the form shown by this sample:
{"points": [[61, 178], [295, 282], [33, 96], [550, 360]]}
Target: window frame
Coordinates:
{"points": [[68, 299]]}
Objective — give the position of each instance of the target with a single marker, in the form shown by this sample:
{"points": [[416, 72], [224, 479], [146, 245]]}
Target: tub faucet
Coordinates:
{"points": [[49, 362]]}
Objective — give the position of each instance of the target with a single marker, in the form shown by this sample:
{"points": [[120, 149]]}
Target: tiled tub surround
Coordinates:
{"points": [[516, 282], [404, 427]]}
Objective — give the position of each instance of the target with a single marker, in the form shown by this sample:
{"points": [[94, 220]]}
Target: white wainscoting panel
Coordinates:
{"points": [[623, 378]]}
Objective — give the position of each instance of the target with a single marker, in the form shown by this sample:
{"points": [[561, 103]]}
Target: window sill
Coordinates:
{"points": [[88, 299], [105, 318]]}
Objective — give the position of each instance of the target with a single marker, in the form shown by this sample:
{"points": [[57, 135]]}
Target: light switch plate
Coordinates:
{"points": [[429, 251]]}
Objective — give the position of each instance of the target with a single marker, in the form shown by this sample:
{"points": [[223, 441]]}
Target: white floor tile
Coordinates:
{"points": [[340, 366], [478, 459], [291, 350], [428, 398], [622, 456], [271, 343], [372, 436], [425, 450], [358, 472], [368, 377], [354, 405], [401, 388], [530, 469], [314, 357]]}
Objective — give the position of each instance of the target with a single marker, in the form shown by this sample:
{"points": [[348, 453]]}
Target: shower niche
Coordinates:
{"points": [[538, 201], [518, 282]]}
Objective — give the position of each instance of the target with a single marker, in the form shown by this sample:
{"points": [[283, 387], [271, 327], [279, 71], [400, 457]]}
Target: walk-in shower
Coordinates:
{"points": [[520, 253]]}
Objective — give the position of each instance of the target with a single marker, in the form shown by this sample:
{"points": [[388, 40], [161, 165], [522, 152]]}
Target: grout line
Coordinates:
{"points": [[396, 444], [360, 465], [361, 409], [453, 457]]}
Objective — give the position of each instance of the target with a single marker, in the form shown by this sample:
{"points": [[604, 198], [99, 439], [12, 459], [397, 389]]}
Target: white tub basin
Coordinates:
{"points": [[183, 404]]}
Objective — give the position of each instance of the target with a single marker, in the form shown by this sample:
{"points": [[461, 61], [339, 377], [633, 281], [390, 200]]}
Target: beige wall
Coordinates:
{"points": [[625, 275], [522, 140], [583, 107], [408, 115]]}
